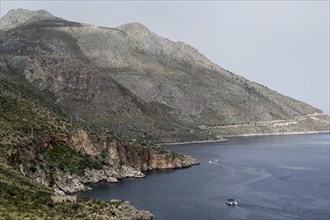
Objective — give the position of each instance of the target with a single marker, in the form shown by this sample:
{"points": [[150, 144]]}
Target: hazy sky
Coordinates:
{"points": [[283, 45]]}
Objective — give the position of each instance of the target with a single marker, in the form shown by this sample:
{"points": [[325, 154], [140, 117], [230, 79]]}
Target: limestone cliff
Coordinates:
{"points": [[122, 161], [113, 160]]}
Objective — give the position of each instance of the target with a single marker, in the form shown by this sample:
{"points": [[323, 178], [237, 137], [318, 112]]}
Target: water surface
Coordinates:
{"points": [[271, 177]]}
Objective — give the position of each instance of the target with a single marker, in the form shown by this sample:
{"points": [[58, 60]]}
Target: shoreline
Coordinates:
{"points": [[220, 140], [223, 139], [277, 134]]}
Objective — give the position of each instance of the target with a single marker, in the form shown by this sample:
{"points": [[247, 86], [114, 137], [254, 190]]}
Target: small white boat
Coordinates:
{"points": [[231, 202]]}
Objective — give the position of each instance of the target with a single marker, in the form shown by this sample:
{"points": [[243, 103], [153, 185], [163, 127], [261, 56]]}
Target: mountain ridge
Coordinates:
{"points": [[151, 88]]}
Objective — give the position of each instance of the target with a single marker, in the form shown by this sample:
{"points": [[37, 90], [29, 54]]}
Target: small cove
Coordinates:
{"points": [[271, 177]]}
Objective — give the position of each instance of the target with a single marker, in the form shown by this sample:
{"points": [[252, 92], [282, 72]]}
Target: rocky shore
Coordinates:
{"points": [[124, 210], [117, 209], [120, 160], [72, 183]]}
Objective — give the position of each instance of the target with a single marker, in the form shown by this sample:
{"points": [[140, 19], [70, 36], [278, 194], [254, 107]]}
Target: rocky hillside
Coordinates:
{"points": [[48, 146], [43, 152], [138, 84], [22, 198]]}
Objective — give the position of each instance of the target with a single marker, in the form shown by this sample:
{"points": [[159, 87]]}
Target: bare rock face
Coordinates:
{"points": [[121, 160], [17, 17], [94, 176], [69, 183], [147, 158], [81, 142], [127, 171], [135, 29], [124, 210]]}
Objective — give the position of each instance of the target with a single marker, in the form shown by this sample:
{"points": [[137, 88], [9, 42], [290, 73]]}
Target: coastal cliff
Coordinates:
{"points": [[67, 163], [124, 161], [43, 152]]}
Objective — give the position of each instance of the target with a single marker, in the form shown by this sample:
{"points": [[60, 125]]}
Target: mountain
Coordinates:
{"points": [[44, 152], [140, 85], [81, 104]]}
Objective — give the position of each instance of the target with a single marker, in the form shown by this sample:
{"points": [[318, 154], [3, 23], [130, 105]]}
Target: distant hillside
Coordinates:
{"points": [[143, 86]]}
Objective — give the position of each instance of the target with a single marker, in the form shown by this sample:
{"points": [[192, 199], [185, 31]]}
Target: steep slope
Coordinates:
{"points": [[49, 146], [43, 152], [144, 86]]}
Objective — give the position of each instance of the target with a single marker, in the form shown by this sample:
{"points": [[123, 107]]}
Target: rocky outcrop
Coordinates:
{"points": [[121, 160], [129, 209], [130, 172], [112, 158], [113, 210], [146, 158], [80, 141], [71, 183], [18, 17], [119, 209]]}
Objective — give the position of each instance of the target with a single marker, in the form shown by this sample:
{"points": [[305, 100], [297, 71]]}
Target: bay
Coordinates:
{"points": [[271, 177]]}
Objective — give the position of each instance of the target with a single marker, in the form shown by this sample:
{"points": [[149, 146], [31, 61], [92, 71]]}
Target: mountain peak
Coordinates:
{"points": [[135, 28], [17, 17]]}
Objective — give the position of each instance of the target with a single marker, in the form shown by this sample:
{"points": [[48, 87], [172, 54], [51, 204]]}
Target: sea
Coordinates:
{"points": [[271, 177]]}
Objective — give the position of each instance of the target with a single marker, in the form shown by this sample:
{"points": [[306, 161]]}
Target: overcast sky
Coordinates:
{"points": [[283, 45]]}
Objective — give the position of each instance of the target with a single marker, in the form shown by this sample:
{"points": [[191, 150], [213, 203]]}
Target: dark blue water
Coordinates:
{"points": [[273, 177]]}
